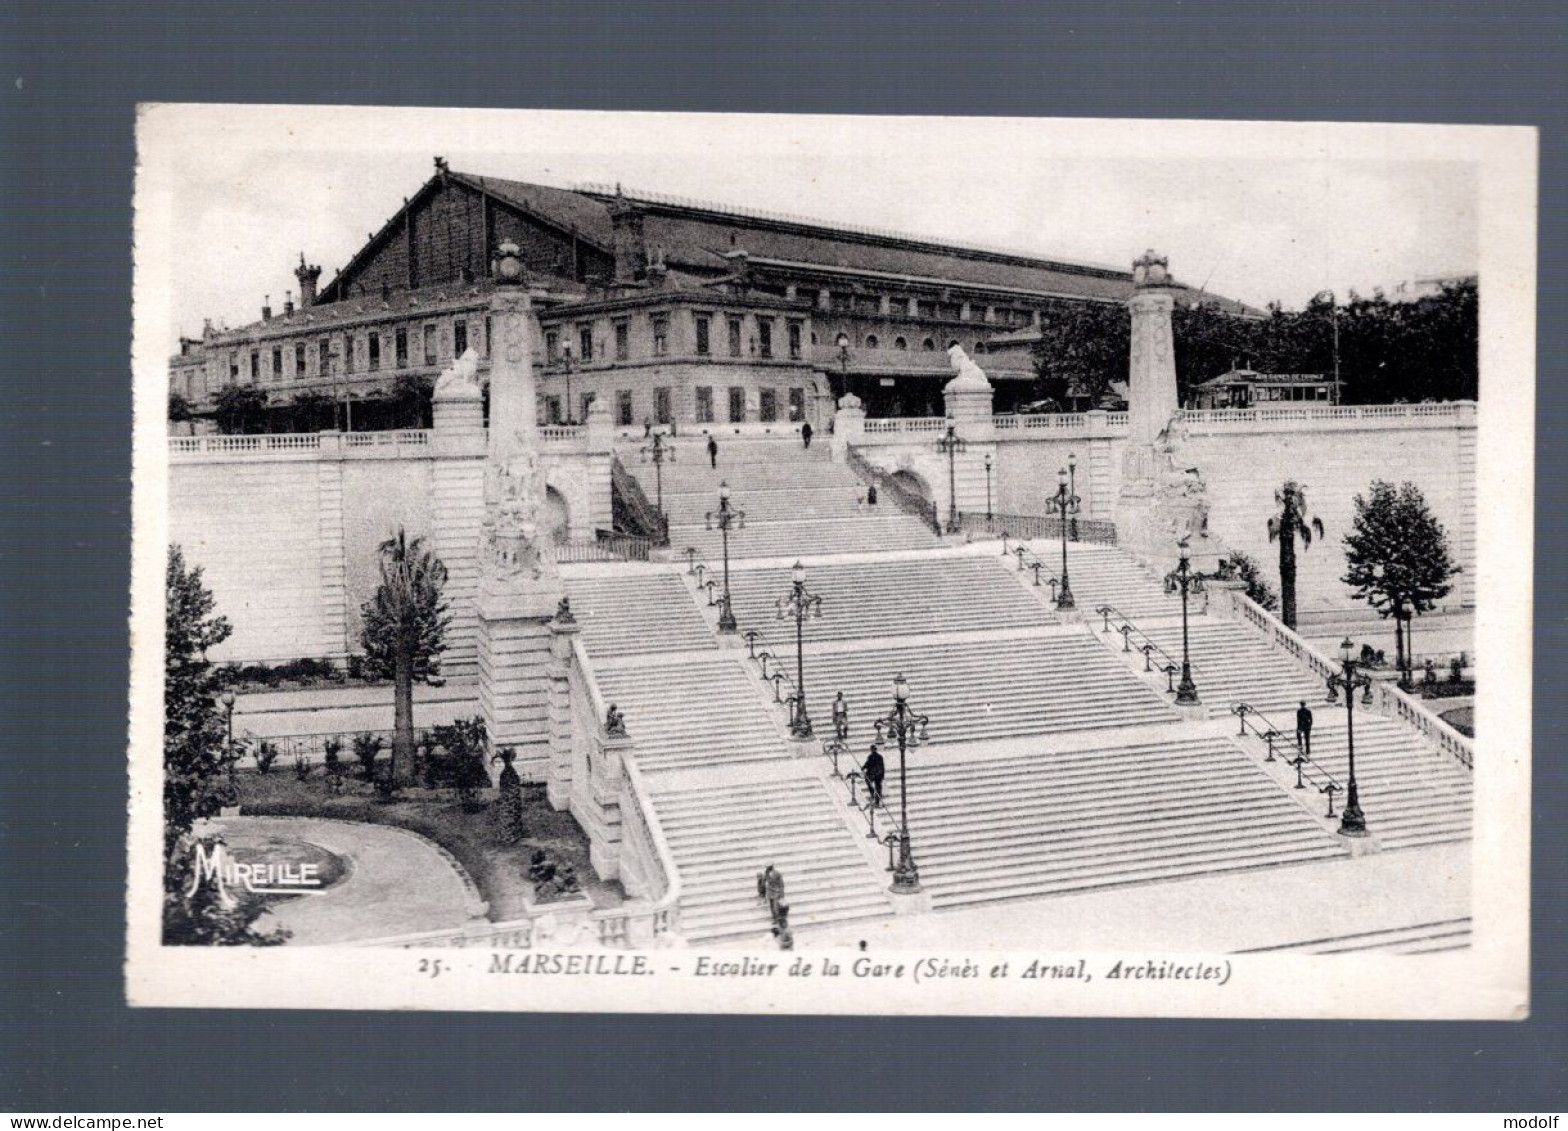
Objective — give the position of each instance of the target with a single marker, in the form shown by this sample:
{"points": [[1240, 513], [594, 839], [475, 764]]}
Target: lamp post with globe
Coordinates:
{"points": [[724, 518], [1352, 822], [909, 729], [800, 604]]}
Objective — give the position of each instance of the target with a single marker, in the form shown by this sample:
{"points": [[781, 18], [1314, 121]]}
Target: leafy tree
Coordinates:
{"points": [[409, 400], [404, 634], [1083, 347], [1248, 570], [509, 787], [240, 410], [1398, 557], [197, 764], [311, 411], [1291, 522], [180, 409]]}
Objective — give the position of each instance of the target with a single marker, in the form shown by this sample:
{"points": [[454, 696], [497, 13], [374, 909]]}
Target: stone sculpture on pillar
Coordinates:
{"points": [[519, 584], [1163, 497]]}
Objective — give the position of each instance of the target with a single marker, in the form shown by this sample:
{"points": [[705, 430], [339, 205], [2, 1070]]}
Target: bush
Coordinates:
{"points": [[356, 666], [1456, 669], [1257, 588], [332, 764], [366, 747], [509, 805], [266, 754], [455, 759], [302, 766]]}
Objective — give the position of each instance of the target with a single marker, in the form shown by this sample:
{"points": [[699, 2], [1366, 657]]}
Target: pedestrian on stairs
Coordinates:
{"points": [[805, 434], [840, 718], [874, 770], [713, 450], [770, 887], [1304, 730]]}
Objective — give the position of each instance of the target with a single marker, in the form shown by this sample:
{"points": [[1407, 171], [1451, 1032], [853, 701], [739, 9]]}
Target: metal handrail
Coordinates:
{"points": [[652, 522], [1022, 526], [1149, 645], [906, 500], [1306, 768], [779, 675]]}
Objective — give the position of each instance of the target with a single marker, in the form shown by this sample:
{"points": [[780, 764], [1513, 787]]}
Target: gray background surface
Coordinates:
{"points": [[71, 76]]}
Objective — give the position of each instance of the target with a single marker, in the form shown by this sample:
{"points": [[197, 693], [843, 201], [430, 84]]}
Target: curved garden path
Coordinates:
{"points": [[398, 883]]}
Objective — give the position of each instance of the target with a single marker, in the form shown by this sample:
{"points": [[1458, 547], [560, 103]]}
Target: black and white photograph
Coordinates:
{"points": [[791, 564]]}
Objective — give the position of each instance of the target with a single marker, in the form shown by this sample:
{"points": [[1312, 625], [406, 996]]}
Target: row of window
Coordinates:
{"points": [[664, 405], [578, 344], [368, 357]]}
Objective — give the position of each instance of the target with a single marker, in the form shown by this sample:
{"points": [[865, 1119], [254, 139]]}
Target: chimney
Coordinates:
{"points": [[266, 308], [288, 303], [626, 239], [307, 276]]}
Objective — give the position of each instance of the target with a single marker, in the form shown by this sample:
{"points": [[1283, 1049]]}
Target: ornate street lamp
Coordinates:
{"points": [[657, 450], [1072, 489], [1351, 820], [724, 518], [800, 604], [1065, 504], [988, 487], [950, 445], [909, 729], [1184, 579]]}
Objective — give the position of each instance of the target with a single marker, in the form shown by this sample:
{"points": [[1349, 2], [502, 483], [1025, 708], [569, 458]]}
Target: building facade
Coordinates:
{"points": [[668, 310]]}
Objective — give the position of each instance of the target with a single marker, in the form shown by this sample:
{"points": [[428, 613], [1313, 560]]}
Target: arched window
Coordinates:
{"points": [[979, 347], [952, 343], [928, 345], [871, 341], [900, 344], [813, 337]]}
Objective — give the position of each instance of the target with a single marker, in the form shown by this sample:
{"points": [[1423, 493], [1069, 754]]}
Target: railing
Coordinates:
{"points": [[514, 934], [311, 746], [280, 442], [1413, 713], [698, 567], [1146, 644], [1388, 698], [906, 500], [1092, 530], [562, 433], [910, 425], [1306, 769], [1240, 418], [660, 917], [605, 546], [407, 438], [778, 676], [631, 509], [1063, 421]]}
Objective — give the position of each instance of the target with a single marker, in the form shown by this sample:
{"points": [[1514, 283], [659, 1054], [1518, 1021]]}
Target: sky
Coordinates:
{"points": [[1253, 211]]}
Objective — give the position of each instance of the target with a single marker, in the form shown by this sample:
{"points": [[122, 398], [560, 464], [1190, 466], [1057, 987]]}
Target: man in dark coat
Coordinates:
{"points": [[805, 433], [874, 770], [1304, 729], [713, 451], [770, 887]]}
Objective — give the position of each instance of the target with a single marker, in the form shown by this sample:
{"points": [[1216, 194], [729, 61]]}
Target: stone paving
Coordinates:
{"points": [[398, 882]]}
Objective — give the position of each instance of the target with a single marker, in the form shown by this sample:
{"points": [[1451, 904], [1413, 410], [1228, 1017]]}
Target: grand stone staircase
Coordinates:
{"points": [[723, 835], [1048, 822], [1055, 763], [1412, 795], [798, 503]]}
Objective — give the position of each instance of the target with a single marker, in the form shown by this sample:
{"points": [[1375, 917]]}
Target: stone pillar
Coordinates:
{"points": [[600, 450], [849, 425], [968, 398], [334, 570], [1465, 582], [519, 585], [558, 780], [1151, 395], [1096, 482]]}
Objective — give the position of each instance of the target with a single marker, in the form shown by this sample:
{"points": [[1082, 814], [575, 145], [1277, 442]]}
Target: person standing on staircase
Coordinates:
{"points": [[1304, 730], [713, 450], [840, 717], [874, 770], [770, 887], [805, 434]]}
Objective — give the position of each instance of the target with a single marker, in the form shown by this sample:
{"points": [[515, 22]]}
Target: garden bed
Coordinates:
{"points": [[498, 865], [1461, 719]]}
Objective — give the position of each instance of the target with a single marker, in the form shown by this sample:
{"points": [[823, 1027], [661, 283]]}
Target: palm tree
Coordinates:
{"points": [[404, 633], [1293, 521]]}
